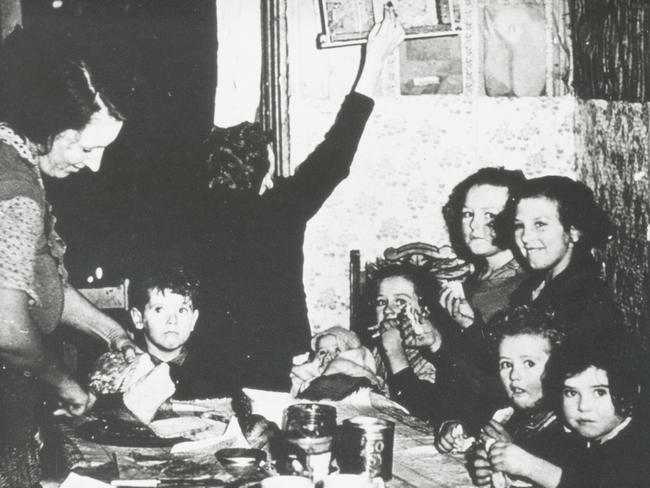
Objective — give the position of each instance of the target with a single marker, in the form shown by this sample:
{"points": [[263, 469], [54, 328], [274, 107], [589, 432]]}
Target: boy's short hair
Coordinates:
{"points": [[617, 356], [175, 279]]}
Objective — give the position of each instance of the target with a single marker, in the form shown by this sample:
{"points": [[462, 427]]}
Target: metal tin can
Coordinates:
{"points": [[365, 445]]}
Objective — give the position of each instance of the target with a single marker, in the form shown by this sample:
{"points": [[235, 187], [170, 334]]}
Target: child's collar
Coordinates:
{"points": [[615, 431], [610, 435]]}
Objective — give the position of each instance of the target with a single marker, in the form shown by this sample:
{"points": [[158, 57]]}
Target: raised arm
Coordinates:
{"points": [[382, 41], [315, 179]]}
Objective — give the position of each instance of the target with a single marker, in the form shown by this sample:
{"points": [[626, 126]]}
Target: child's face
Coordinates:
{"points": [[167, 320], [587, 404], [395, 294], [522, 359]]}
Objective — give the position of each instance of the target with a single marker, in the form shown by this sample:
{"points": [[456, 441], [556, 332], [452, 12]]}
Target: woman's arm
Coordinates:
{"points": [[22, 349], [82, 315], [382, 41]]}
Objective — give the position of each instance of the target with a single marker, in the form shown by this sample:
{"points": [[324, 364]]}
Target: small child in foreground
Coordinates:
{"points": [[526, 339], [606, 446]]}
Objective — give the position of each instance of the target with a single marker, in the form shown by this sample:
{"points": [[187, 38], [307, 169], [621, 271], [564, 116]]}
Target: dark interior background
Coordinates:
{"points": [[157, 60]]}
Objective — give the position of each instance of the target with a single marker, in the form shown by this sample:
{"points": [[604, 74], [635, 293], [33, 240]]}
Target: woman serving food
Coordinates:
{"points": [[55, 122]]}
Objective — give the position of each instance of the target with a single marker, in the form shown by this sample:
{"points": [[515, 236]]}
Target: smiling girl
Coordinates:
{"points": [[556, 224]]}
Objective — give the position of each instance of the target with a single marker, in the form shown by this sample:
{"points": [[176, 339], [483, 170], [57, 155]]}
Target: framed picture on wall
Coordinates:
{"points": [[347, 22]]}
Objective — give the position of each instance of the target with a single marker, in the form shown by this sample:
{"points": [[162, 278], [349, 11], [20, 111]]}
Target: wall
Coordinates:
{"points": [[414, 150], [612, 144]]}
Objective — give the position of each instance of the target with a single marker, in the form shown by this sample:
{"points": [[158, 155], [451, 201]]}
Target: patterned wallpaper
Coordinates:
{"points": [[414, 150], [613, 153]]}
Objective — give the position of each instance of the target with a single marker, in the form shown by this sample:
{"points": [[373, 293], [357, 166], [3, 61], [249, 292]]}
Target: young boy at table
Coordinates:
{"points": [[163, 315], [606, 444]]}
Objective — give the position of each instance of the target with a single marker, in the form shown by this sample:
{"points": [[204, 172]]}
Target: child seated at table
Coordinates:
{"points": [[607, 445], [526, 339], [163, 315]]}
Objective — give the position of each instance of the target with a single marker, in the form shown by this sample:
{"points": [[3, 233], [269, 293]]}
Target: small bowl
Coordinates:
{"points": [[241, 462]]}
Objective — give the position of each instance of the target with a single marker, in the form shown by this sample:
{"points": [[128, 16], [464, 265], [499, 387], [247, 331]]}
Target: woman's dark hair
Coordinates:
{"points": [[452, 211], [576, 208], [176, 280], [236, 157], [42, 99], [617, 356]]}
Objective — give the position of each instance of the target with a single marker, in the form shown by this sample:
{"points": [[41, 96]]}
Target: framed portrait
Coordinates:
{"points": [[347, 22]]}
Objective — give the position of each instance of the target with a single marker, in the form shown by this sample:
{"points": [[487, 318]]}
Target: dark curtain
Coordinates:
{"points": [[157, 59]]}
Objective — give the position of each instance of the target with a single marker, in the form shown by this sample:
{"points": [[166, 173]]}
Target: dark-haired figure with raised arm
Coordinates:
{"points": [[253, 299]]}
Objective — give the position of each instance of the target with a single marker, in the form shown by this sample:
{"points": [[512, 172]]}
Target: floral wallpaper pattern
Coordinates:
{"points": [[414, 150]]}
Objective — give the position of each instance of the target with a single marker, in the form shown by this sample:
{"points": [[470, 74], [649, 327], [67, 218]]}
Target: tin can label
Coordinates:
{"points": [[365, 449]]}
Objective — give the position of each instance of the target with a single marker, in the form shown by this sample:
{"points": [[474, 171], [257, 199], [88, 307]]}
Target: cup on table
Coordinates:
{"points": [[365, 445], [311, 427], [351, 481], [287, 481]]}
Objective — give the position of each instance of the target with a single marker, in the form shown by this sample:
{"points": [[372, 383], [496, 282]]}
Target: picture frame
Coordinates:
{"points": [[347, 22]]}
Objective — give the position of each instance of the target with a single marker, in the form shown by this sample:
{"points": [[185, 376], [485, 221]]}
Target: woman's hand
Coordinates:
{"points": [[457, 306], [119, 341], [383, 38], [480, 468], [509, 458], [74, 400]]}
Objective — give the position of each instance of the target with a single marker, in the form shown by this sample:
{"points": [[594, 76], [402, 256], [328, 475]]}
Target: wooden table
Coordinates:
{"points": [[416, 463]]}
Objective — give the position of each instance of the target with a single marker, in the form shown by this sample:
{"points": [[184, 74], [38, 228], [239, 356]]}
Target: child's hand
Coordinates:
{"points": [[480, 468], [391, 337], [424, 335], [509, 458], [451, 437], [452, 298], [494, 430]]}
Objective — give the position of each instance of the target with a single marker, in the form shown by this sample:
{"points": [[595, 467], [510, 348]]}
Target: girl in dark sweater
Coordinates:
{"points": [[606, 444]]}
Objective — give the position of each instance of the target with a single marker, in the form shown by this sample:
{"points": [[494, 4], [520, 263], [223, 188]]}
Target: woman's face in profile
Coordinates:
{"points": [[73, 150], [541, 236], [482, 204]]}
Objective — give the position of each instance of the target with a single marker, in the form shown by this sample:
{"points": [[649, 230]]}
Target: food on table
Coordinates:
{"points": [[258, 430], [111, 373], [503, 415], [186, 427], [462, 443], [144, 397]]}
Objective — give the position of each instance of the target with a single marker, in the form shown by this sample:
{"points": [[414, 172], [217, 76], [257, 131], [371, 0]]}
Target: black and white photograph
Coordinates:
{"points": [[324, 243]]}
